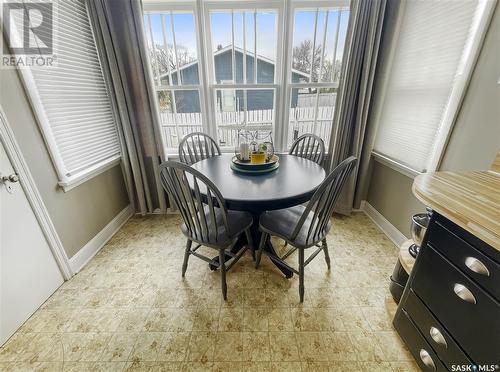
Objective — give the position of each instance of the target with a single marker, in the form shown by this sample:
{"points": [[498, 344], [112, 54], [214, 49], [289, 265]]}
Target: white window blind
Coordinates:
{"points": [[433, 47], [78, 121]]}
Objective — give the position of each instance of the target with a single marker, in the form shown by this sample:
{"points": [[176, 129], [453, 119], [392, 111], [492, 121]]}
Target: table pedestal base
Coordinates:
{"points": [[271, 252]]}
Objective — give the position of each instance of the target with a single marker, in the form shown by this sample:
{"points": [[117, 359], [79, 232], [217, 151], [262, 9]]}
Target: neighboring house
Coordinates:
{"points": [[231, 100]]}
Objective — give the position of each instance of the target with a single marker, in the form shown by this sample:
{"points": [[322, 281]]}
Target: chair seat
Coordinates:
{"points": [[282, 223], [238, 222]]}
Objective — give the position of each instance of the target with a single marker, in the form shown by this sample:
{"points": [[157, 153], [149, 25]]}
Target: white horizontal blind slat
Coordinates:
{"points": [[428, 53], [74, 94]]}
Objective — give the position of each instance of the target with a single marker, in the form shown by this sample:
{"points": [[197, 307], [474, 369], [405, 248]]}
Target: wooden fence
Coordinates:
{"points": [[301, 120]]}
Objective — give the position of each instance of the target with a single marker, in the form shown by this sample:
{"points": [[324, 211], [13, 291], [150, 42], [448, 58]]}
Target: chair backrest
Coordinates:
{"points": [[309, 146], [320, 207], [197, 146], [197, 198]]}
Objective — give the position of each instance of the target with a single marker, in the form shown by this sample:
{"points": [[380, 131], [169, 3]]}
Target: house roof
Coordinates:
{"points": [[236, 49]]}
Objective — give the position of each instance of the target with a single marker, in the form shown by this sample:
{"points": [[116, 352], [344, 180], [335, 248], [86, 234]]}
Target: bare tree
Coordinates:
{"points": [[163, 61], [302, 58], [302, 62]]}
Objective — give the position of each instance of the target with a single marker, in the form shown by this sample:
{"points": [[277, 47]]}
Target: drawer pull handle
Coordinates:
{"points": [[438, 337], [464, 293], [476, 266], [427, 360]]}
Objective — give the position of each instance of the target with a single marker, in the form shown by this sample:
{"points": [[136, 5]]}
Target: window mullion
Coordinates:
{"points": [[244, 50], [174, 109], [255, 46], [245, 102], [283, 110], [314, 44], [323, 47], [157, 72], [233, 54], [336, 44], [179, 79], [165, 45], [316, 107], [204, 44]]}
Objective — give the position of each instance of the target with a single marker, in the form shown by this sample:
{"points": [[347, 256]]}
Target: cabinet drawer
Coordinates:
{"points": [[435, 334], [482, 269], [423, 353], [469, 314]]}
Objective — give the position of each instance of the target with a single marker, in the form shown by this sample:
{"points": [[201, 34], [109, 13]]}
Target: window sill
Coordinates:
{"points": [[393, 164], [77, 179]]}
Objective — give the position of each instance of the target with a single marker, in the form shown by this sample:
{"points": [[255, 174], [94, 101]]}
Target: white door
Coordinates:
{"points": [[28, 271]]}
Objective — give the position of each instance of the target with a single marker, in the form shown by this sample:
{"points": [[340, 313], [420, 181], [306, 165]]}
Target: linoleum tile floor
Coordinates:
{"points": [[129, 309]]}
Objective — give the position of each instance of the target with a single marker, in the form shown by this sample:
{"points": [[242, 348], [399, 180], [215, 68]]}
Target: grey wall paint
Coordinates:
{"points": [[390, 194], [474, 141], [476, 134], [81, 213]]}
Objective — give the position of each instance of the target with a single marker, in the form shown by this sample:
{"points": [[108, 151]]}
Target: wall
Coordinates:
{"points": [[476, 134], [82, 212], [390, 194], [473, 143]]}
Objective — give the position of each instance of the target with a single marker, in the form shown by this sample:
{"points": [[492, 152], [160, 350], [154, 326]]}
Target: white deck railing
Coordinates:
{"points": [[302, 120]]}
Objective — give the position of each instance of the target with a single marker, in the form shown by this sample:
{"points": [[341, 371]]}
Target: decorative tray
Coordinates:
{"points": [[248, 170], [246, 164]]}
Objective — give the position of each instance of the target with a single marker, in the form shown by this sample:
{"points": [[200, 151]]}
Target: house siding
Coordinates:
{"points": [[188, 101]]}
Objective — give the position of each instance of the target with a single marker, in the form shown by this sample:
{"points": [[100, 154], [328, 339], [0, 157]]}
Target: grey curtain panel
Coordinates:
{"points": [[355, 91], [119, 33], [392, 20]]}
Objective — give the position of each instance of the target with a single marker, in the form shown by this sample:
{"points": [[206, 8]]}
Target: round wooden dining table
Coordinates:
{"points": [[293, 183]]}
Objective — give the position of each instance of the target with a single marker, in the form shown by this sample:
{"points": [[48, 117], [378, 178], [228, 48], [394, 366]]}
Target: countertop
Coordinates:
{"points": [[469, 199]]}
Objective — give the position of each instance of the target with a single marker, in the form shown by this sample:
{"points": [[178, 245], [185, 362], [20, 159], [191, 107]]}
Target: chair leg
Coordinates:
{"points": [[222, 266], [250, 242], [186, 257], [301, 274], [327, 256], [263, 240]]}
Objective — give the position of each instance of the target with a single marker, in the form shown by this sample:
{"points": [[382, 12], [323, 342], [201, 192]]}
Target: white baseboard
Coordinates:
{"points": [[396, 236], [84, 255]]}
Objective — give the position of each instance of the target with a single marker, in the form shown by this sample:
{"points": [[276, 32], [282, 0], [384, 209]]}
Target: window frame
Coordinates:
{"points": [[256, 5], [281, 86], [179, 7], [289, 86], [66, 182], [457, 93]]}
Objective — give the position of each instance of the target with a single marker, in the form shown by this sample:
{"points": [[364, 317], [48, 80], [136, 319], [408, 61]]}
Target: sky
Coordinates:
{"points": [[304, 22]]}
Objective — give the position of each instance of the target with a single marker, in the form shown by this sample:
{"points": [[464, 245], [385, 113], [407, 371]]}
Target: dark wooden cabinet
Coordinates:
{"points": [[435, 333], [452, 300], [472, 261]]}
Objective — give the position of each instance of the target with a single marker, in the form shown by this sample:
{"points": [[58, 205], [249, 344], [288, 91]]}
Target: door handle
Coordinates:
{"points": [[11, 178], [426, 358], [438, 337], [464, 293], [476, 266]]}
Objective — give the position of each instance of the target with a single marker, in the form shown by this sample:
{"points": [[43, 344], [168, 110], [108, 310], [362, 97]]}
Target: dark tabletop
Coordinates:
{"points": [[293, 183]]}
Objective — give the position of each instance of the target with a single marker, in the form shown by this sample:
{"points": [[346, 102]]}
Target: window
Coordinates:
{"points": [[173, 47], [243, 71], [237, 78], [430, 68], [316, 58], [72, 102]]}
